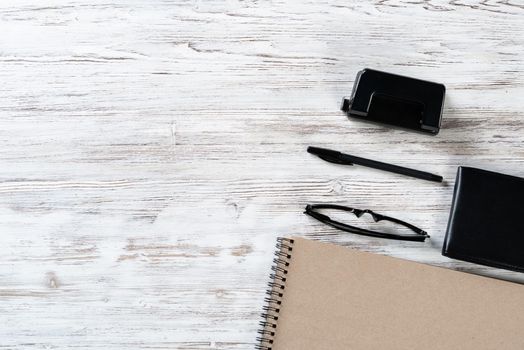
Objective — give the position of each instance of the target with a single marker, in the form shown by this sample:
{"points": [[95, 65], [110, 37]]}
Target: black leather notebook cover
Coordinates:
{"points": [[486, 224]]}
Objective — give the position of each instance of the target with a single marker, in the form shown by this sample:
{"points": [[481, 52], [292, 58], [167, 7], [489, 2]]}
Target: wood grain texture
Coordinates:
{"points": [[152, 151]]}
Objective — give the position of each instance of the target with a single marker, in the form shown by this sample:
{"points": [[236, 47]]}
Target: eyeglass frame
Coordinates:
{"points": [[419, 236]]}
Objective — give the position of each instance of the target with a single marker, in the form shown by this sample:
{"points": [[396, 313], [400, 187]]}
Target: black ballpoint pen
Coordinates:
{"points": [[341, 158]]}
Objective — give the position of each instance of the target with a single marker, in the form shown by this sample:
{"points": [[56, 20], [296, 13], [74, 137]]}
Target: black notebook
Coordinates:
{"points": [[486, 224]]}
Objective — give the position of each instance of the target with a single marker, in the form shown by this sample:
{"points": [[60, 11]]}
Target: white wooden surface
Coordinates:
{"points": [[151, 151]]}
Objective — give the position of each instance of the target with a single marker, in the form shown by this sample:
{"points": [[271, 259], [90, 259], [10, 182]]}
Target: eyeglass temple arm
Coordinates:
{"points": [[317, 215], [330, 206], [380, 217]]}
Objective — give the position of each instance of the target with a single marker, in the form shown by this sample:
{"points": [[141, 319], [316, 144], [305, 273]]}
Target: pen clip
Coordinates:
{"points": [[334, 160]]}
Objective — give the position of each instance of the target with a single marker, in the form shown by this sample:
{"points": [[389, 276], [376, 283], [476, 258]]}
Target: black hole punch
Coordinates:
{"points": [[396, 100]]}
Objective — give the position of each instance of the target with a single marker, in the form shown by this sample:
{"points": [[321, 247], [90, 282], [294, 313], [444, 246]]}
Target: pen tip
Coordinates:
{"points": [[438, 178]]}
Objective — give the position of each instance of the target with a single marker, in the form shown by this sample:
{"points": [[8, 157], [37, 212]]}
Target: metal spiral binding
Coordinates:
{"points": [[275, 292]]}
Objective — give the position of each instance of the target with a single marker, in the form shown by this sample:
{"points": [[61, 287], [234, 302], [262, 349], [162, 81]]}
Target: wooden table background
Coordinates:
{"points": [[152, 151]]}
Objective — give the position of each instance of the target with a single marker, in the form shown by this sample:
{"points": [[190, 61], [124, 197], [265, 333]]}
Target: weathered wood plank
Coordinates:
{"points": [[153, 151]]}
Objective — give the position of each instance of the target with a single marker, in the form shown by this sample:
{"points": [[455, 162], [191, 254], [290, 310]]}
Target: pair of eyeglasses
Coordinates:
{"points": [[311, 210]]}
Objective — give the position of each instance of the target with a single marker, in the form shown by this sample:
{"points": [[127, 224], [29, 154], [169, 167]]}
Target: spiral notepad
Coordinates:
{"points": [[323, 296]]}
